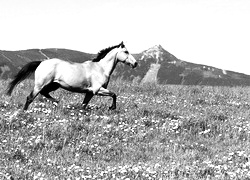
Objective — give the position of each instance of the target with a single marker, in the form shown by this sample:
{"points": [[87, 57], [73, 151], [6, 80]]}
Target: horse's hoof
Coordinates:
{"points": [[112, 108], [86, 108]]}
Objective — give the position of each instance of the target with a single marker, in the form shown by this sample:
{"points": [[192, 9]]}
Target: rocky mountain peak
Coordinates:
{"points": [[155, 52]]}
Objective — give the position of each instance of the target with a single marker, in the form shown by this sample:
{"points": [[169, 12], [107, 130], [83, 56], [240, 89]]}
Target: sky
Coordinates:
{"points": [[210, 32]]}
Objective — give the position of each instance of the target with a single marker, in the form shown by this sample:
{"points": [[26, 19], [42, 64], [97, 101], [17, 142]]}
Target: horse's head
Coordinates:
{"points": [[124, 56]]}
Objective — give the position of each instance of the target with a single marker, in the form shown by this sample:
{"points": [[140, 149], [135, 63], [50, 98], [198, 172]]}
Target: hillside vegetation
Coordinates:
{"points": [[157, 132]]}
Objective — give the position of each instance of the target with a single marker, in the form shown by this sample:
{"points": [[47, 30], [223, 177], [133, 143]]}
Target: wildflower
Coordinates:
{"points": [[231, 174], [240, 153], [136, 169], [205, 132], [38, 139]]}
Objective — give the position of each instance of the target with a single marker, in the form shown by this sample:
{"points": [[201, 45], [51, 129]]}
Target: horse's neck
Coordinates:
{"points": [[108, 63]]}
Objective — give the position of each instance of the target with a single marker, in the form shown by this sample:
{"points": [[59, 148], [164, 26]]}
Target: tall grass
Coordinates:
{"points": [[157, 132]]}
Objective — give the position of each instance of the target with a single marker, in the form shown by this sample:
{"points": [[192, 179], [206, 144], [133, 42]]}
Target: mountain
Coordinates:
{"points": [[158, 65], [155, 65], [12, 61]]}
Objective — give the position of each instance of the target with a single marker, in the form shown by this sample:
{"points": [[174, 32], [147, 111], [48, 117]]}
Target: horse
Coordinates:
{"points": [[90, 77]]}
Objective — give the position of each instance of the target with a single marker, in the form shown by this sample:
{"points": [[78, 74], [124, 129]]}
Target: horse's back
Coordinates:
{"points": [[55, 64], [48, 69]]}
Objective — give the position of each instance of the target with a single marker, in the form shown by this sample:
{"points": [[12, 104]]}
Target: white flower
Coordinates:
{"points": [[136, 169]]}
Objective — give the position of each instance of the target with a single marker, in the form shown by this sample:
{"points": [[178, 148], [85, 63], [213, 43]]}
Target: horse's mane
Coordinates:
{"points": [[104, 52]]}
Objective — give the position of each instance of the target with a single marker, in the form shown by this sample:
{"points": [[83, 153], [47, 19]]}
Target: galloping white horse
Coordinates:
{"points": [[89, 77]]}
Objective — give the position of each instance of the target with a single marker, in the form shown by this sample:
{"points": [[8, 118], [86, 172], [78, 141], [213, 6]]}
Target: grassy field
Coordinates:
{"points": [[157, 132]]}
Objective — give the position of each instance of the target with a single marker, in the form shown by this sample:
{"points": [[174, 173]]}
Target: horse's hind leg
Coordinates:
{"points": [[47, 89], [48, 96], [30, 98]]}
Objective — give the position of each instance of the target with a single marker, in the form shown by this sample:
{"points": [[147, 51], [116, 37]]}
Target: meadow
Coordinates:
{"points": [[156, 132]]}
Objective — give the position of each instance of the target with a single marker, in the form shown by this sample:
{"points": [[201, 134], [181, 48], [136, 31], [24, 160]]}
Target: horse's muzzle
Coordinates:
{"points": [[135, 65]]}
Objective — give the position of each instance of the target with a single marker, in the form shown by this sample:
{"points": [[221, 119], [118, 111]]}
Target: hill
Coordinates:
{"points": [[158, 65], [12, 61], [155, 65]]}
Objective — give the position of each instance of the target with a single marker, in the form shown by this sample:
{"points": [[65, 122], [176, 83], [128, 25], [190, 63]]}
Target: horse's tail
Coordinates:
{"points": [[25, 72]]}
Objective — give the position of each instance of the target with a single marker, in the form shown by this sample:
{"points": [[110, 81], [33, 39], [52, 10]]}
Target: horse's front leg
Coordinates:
{"points": [[105, 92], [88, 97]]}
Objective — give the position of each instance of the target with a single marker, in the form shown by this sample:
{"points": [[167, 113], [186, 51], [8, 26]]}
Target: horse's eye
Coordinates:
{"points": [[126, 52]]}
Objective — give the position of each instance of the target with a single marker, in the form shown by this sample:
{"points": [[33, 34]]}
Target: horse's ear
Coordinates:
{"points": [[122, 44]]}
